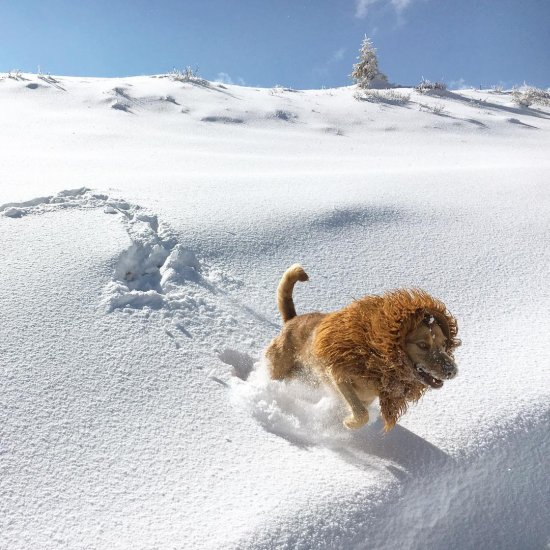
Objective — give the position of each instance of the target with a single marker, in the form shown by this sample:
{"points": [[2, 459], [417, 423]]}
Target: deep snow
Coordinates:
{"points": [[145, 224]]}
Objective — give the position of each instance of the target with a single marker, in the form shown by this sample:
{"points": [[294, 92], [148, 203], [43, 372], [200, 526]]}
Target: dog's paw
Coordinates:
{"points": [[353, 422]]}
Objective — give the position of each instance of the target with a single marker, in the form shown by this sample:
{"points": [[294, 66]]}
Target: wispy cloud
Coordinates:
{"points": [[226, 79], [459, 84], [400, 5], [362, 7], [324, 69], [338, 55]]}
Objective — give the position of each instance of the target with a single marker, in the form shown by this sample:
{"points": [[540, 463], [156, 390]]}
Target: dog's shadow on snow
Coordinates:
{"points": [[310, 417], [409, 453]]}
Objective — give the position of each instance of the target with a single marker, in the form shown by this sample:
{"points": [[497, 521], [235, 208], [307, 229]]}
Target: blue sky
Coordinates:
{"points": [[298, 43]]}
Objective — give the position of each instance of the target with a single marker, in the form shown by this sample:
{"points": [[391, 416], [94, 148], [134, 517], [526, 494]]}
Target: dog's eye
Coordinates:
{"points": [[422, 345]]}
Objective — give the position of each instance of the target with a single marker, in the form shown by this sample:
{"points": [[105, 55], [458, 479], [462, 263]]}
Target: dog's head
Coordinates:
{"points": [[429, 345]]}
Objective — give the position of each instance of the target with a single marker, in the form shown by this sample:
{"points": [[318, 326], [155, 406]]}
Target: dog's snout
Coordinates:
{"points": [[450, 370], [447, 364]]}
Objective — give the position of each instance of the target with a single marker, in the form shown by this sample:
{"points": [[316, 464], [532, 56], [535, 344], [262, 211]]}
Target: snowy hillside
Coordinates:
{"points": [[145, 223]]}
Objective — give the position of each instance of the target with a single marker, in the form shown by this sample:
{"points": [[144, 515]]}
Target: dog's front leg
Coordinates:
{"points": [[359, 414]]}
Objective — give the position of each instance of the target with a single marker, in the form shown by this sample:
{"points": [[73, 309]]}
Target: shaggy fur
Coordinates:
{"points": [[362, 349]]}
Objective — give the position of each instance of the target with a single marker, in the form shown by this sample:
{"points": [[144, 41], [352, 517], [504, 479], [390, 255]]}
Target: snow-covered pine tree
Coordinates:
{"points": [[365, 71]]}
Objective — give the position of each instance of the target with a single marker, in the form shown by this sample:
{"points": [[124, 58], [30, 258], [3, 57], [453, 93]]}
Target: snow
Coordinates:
{"points": [[145, 223]]}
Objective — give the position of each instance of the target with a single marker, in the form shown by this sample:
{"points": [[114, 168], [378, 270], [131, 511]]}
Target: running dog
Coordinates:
{"points": [[393, 347]]}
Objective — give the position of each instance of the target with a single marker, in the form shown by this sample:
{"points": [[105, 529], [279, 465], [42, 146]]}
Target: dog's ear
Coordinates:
{"points": [[431, 317], [444, 324], [427, 318]]}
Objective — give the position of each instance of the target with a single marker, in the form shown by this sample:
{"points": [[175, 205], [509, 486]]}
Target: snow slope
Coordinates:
{"points": [[145, 223]]}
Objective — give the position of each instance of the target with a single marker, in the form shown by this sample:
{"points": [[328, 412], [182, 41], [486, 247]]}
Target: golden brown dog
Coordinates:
{"points": [[393, 347]]}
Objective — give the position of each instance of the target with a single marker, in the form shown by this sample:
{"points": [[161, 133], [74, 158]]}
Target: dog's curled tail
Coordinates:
{"points": [[284, 291]]}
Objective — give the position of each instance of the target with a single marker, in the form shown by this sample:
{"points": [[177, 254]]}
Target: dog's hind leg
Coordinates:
{"points": [[359, 414], [280, 361]]}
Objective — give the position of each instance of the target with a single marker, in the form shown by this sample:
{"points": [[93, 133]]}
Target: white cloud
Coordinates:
{"points": [[362, 6], [459, 84], [226, 79], [338, 55], [400, 5], [324, 69]]}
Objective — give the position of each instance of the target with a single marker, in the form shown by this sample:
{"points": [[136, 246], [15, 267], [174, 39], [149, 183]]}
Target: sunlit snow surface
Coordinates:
{"points": [[144, 225]]}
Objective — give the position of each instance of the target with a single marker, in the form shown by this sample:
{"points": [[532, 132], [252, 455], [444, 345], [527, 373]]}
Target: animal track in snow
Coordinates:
{"points": [[242, 363], [157, 273]]}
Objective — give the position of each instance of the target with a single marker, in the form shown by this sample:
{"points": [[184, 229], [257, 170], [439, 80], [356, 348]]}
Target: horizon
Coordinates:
{"points": [[294, 44]]}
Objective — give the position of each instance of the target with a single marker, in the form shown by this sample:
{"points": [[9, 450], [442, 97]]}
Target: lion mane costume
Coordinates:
{"points": [[365, 340]]}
